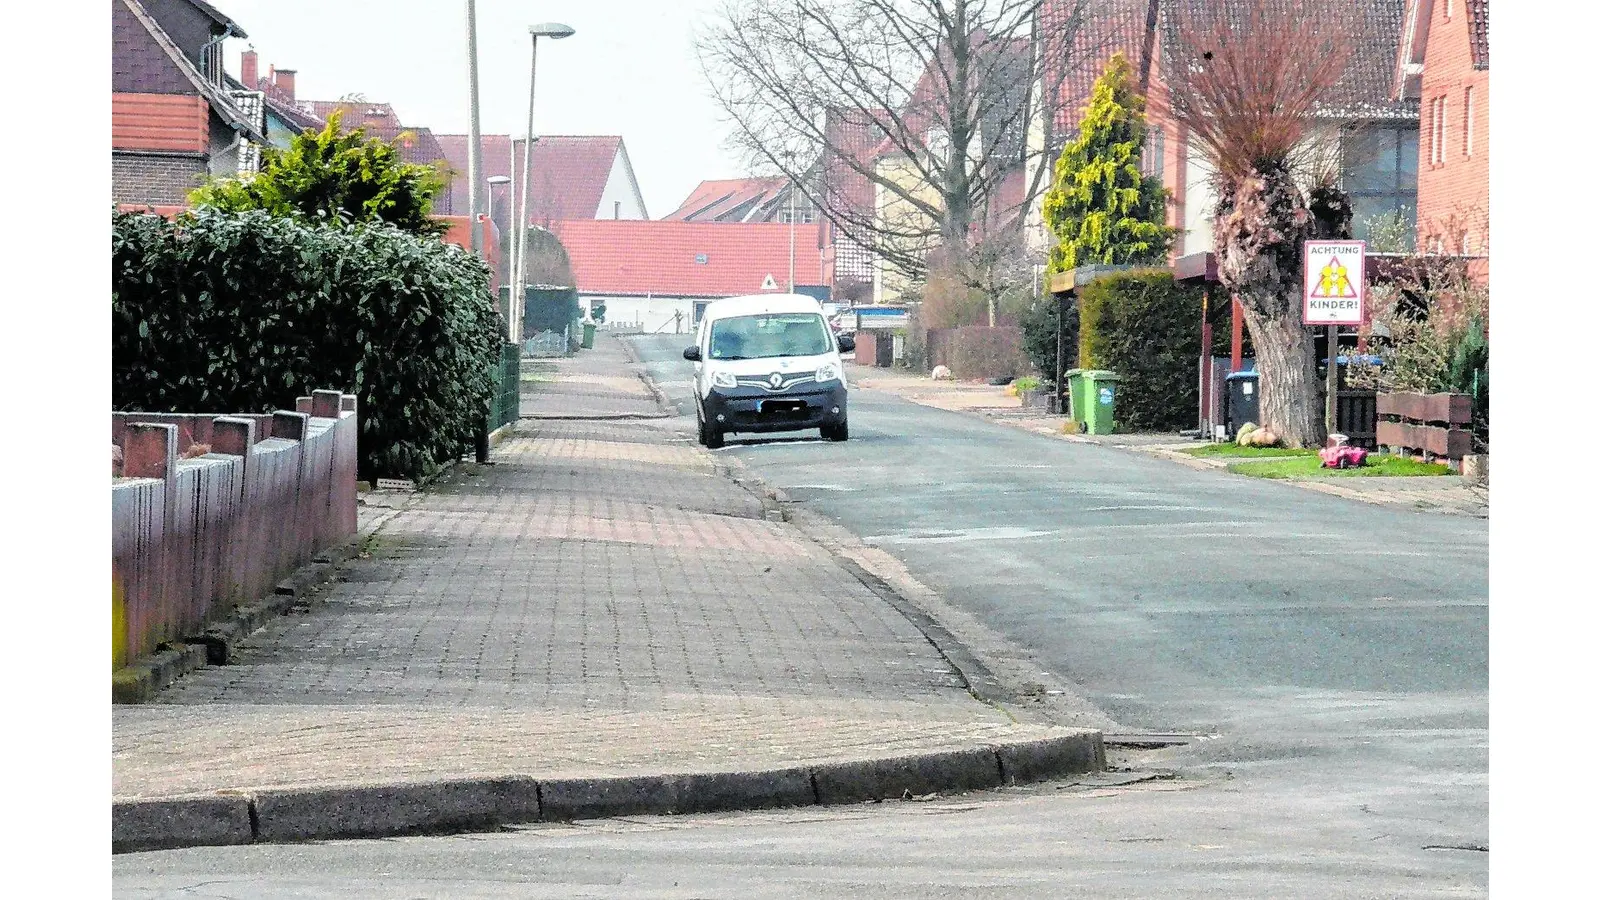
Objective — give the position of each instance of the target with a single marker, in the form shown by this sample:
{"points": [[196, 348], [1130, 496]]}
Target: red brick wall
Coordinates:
{"points": [[1453, 193], [153, 178]]}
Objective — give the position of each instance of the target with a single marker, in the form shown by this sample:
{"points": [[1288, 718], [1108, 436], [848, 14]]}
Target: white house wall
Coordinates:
{"points": [[1199, 205], [648, 314], [621, 188]]}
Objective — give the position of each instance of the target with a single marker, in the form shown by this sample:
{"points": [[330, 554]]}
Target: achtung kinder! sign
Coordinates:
{"points": [[1335, 282]]}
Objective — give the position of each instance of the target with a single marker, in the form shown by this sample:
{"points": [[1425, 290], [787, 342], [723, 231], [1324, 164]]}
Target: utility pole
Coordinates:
{"points": [[474, 142], [527, 174], [791, 235], [474, 166]]}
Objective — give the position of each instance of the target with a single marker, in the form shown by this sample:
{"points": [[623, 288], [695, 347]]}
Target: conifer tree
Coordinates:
{"points": [[1101, 208]]}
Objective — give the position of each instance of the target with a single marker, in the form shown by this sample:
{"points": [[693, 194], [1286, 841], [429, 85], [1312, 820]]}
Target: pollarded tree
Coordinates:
{"points": [[1250, 83], [1101, 208], [338, 176]]}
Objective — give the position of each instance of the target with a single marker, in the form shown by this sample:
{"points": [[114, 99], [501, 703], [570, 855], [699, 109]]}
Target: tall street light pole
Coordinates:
{"points": [[474, 143], [791, 235], [556, 31], [495, 181]]}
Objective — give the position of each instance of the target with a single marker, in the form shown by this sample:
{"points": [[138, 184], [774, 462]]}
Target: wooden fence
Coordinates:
{"points": [[192, 537]]}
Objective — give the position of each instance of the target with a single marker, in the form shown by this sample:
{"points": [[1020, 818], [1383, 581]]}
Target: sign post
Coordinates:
{"points": [[1335, 294]]}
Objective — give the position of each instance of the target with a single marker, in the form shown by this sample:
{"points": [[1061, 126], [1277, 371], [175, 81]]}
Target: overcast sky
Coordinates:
{"points": [[630, 69]]}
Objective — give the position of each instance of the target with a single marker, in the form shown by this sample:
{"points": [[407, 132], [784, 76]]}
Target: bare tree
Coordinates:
{"points": [[924, 105], [1251, 88]]}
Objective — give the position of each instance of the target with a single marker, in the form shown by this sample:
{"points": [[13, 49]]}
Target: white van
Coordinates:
{"points": [[765, 363]]}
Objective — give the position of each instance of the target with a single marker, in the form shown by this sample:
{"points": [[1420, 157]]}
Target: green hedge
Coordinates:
{"points": [[1145, 327], [245, 311]]}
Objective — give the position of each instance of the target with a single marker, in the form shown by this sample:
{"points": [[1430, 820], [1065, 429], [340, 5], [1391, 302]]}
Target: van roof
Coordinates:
{"points": [[757, 304]]}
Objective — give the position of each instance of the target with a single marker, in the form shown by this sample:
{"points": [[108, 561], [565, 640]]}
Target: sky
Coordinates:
{"points": [[629, 69]]}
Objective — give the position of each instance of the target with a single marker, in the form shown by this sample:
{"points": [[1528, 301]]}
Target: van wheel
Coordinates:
{"points": [[710, 437], [839, 432]]}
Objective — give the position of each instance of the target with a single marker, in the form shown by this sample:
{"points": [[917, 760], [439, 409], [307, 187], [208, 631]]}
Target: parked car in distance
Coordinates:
{"points": [[768, 363]]}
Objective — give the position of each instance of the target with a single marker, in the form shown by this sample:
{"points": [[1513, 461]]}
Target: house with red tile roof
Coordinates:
{"points": [[744, 200], [1373, 129], [659, 275], [287, 115], [572, 177], [175, 120], [1444, 66]]}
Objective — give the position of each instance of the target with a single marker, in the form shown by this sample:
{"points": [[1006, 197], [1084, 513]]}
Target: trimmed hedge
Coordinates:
{"points": [[245, 311], [1144, 326]]}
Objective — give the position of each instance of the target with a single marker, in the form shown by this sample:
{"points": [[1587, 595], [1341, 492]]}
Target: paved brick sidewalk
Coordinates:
{"points": [[598, 601], [1447, 494], [602, 382]]}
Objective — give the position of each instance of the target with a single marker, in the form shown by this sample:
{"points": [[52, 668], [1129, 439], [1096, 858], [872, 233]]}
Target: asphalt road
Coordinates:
{"points": [[1335, 653]]}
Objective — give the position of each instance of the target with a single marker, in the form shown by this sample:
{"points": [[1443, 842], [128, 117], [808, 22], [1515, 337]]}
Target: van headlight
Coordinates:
{"points": [[724, 380], [828, 372]]}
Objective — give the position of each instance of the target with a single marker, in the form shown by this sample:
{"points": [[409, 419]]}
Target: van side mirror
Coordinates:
{"points": [[846, 343], [692, 354]]}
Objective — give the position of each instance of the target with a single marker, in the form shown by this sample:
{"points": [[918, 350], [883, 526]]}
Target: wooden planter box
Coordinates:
{"points": [[1429, 424]]}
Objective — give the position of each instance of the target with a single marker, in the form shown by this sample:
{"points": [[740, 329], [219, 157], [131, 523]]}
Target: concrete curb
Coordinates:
{"points": [[631, 352], [489, 803]]}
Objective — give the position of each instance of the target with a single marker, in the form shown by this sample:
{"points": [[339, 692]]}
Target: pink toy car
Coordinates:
{"points": [[1340, 455]]}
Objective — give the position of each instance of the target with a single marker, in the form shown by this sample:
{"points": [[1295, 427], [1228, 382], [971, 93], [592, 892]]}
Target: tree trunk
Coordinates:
{"points": [[1261, 225], [1286, 359]]}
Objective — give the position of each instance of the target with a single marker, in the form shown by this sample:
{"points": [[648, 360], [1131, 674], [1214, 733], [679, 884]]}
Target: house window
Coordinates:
{"points": [[1151, 161], [616, 209], [1444, 128], [1433, 131], [1449, 9], [1379, 169], [1466, 138]]}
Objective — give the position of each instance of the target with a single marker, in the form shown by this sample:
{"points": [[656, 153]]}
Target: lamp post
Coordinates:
{"points": [[474, 144], [550, 30], [495, 181]]}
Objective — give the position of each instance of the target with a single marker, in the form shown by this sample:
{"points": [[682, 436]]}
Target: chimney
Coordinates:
{"points": [[283, 80], [249, 71]]}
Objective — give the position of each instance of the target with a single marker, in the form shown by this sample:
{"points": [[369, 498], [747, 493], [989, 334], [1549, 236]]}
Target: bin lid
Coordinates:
{"points": [[1071, 372], [1102, 375], [1247, 373]]}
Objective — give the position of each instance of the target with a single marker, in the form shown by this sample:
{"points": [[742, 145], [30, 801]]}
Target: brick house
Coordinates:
{"points": [[1444, 66], [1370, 129], [573, 177], [659, 275], [743, 200], [287, 115], [175, 120]]}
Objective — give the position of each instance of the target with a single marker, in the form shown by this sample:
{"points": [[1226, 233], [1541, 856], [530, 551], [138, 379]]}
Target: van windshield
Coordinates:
{"points": [[775, 334]]}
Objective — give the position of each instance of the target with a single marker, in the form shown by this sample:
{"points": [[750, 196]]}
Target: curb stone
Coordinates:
{"points": [[187, 822], [489, 803]]}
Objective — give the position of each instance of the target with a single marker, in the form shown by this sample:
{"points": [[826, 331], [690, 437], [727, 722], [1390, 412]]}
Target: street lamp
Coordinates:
{"points": [[494, 182], [474, 145], [550, 30]]}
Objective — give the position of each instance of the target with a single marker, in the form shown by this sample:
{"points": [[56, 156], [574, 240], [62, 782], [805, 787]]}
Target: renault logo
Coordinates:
{"points": [[776, 379]]}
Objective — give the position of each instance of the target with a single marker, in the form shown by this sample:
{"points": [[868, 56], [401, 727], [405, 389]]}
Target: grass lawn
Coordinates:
{"points": [[1311, 467], [1210, 450]]}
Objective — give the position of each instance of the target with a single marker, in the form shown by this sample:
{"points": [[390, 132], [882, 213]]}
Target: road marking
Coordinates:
{"points": [[1167, 508]]}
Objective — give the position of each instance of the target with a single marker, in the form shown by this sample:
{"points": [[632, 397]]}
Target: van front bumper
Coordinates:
{"points": [[754, 410]]}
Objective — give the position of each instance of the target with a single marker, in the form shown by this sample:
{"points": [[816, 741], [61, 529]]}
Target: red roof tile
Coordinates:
{"points": [[732, 200], [569, 172], [663, 258], [1478, 30]]}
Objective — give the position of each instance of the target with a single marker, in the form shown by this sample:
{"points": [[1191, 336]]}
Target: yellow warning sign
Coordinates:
{"points": [[1333, 281]]}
